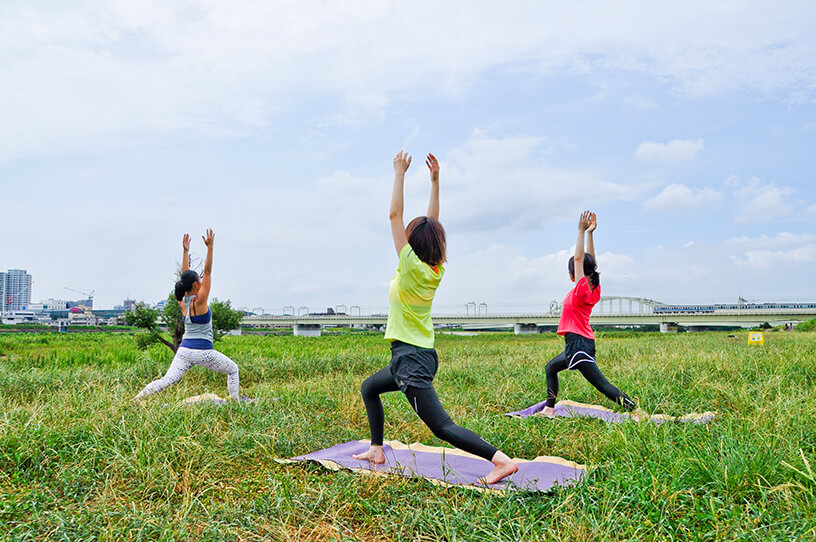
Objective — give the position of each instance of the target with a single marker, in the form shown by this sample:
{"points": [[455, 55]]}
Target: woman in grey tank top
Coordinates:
{"points": [[196, 346]]}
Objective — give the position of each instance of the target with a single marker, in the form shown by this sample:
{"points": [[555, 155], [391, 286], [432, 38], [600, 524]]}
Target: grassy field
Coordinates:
{"points": [[79, 461]]}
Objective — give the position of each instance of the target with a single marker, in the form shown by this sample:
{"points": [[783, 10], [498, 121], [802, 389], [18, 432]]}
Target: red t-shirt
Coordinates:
{"points": [[577, 309]]}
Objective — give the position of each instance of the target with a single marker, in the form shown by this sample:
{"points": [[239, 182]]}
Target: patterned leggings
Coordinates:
{"points": [[185, 359]]}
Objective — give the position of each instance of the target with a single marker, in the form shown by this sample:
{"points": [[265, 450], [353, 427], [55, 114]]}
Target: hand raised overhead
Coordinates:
{"points": [[208, 238], [593, 222], [185, 242], [583, 221], [433, 166], [401, 163]]}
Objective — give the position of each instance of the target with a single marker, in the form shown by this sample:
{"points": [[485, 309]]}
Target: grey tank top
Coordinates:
{"points": [[196, 327]]}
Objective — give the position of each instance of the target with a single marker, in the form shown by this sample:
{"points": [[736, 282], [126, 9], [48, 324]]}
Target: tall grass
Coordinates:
{"points": [[79, 461]]}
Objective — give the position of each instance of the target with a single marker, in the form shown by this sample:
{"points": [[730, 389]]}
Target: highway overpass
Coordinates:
{"points": [[528, 323]]}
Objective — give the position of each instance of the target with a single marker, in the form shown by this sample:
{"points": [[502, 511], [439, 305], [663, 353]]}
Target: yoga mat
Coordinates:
{"points": [[213, 398], [447, 466], [204, 398], [572, 409]]}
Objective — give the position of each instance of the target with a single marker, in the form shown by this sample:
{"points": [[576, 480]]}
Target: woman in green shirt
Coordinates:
{"points": [[421, 251]]}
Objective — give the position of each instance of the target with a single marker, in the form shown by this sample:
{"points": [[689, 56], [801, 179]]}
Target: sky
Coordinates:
{"points": [[689, 128]]}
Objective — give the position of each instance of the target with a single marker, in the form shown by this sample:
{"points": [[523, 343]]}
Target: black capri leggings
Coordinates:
{"points": [[593, 375], [426, 404]]}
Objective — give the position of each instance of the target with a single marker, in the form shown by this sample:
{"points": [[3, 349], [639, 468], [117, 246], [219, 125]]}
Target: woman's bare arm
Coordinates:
{"points": [[583, 224], [593, 223], [185, 255], [206, 277], [401, 163], [433, 203]]}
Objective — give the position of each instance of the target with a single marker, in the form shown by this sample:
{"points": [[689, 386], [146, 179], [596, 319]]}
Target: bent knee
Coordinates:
{"points": [[366, 387]]}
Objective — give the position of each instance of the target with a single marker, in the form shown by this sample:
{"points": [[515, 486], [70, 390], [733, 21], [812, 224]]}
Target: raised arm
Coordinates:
{"points": [[590, 246], [583, 225], [206, 277], [185, 255], [401, 163], [433, 203]]}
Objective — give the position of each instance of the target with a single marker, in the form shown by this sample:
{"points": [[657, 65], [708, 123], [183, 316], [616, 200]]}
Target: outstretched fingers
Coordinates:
{"points": [[402, 161]]}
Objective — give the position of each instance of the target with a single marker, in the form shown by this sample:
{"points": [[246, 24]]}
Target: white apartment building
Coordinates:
{"points": [[82, 319], [17, 295], [49, 305]]}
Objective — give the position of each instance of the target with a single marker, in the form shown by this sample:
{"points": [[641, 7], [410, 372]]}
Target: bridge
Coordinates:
{"points": [[640, 312]]}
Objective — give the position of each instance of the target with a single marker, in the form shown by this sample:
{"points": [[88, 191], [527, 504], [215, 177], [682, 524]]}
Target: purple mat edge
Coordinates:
{"points": [[571, 409], [455, 470]]}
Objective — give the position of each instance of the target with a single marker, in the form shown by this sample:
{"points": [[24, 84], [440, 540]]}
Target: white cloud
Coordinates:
{"points": [[676, 150], [777, 252], [756, 267], [759, 202], [780, 241], [96, 74], [505, 184], [811, 210], [689, 244], [681, 198], [311, 241]]}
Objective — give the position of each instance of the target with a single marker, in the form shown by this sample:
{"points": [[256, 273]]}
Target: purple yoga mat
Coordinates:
{"points": [[571, 409], [448, 466]]}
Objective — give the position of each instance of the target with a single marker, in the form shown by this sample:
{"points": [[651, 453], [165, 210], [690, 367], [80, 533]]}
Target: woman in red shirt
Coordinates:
{"points": [[579, 353]]}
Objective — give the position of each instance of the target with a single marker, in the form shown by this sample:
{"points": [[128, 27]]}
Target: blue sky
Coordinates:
{"points": [[689, 129]]}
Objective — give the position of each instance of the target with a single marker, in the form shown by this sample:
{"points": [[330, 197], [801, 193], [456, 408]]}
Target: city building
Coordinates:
{"points": [[81, 304], [49, 305], [82, 319], [17, 290], [127, 305]]}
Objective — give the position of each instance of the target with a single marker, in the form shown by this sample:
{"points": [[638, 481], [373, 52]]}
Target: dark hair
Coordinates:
{"points": [[427, 237], [185, 284], [590, 269]]}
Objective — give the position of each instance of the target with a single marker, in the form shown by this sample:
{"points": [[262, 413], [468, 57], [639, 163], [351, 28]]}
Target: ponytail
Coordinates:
{"points": [[591, 271], [185, 283], [180, 290]]}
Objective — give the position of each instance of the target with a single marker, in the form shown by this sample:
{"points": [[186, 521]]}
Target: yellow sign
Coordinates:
{"points": [[756, 337]]}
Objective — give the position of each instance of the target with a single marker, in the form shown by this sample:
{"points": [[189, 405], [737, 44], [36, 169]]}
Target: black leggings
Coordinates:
{"points": [[425, 402], [593, 375]]}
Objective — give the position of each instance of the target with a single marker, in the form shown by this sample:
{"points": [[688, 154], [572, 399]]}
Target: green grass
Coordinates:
{"points": [[78, 461]]}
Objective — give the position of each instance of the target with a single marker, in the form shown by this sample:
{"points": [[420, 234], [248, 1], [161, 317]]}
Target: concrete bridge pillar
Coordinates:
{"points": [[525, 329], [668, 327], [306, 330]]}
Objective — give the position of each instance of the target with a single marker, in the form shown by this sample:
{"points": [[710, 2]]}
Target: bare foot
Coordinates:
{"points": [[503, 467], [375, 454], [640, 415], [138, 401], [548, 412]]}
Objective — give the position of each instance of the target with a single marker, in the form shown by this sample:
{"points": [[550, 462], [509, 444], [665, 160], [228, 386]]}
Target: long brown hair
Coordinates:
{"points": [[590, 269], [427, 237]]}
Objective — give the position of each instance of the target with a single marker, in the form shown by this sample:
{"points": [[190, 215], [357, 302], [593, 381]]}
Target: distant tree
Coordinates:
{"points": [[173, 320], [810, 325], [146, 318], [224, 318]]}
